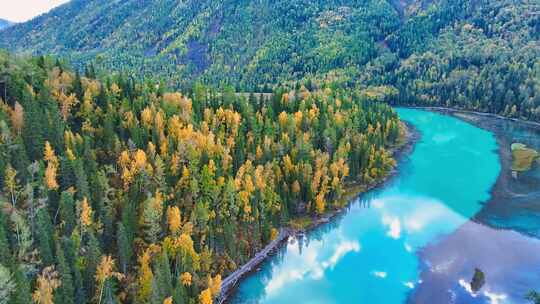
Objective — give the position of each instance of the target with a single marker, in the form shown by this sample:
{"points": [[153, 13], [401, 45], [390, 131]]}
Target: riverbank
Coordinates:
{"points": [[515, 199], [408, 138], [506, 226], [482, 114]]}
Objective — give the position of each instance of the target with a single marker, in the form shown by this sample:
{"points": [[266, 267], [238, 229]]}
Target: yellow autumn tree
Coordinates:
{"points": [[283, 119], [52, 167], [205, 297], [10, 184], [214, 284], [274, 233], [47, 282], [320, 204], [104, 271], [147, 117], [186, 251], [174, 219], [144, 280], [185, 278], [86, 214], [66, 103], [50, 177], [168, 300], [17, 117]]}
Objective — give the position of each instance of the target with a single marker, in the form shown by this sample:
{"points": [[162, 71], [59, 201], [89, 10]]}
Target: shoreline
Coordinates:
{"points": [[446, 110], [509, 198], [510, 194], [230, 283]]}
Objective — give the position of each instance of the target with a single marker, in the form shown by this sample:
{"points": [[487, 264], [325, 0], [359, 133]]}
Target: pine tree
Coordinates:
{"points": [[22, 294], [102, 100], [7, 285], [151, 218], [5, 252], [92, 258], [44, 235], [34, 129], [77, 86], [163, 286], [124, 248], [83, 189], [55, 126], [67, 212], [180, 295], [66, 292], [73, 260]]}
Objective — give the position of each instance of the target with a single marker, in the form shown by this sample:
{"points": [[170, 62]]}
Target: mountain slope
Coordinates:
{"points": [[5, 23], [268, 40], [473, 54]]}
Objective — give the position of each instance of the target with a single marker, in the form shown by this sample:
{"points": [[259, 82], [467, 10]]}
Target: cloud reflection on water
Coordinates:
{"points": [[308, 263], [346, 260]]}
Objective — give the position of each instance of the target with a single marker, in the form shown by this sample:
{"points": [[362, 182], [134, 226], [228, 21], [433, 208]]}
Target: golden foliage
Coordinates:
{"points": [[10, 182], [133, 164], [174, 219], [285, 98], [87, 106], [144, 280], [104, 271], [283, 119], [115, 89], [47, 283], [185, 278], [86, 214], [147, 117], [205, 297], [168, 300], [298, 116], [48, 153], [17, 117], [214, 284], [320, 203], [124, 159], [66, 103], [52, 166], [172, 98], [70, 155], [139, 159], [50, 177], [259, 153], [273, 234], [296, 187]]}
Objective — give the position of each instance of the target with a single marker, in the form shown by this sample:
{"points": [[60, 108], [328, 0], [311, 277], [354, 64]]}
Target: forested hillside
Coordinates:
{"points": [[474, 54], [242, 42], [4, 23], [121, 191]]}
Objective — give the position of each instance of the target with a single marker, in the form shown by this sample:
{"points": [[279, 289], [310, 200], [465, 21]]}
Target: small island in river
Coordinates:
{"points": [[523, 157]]}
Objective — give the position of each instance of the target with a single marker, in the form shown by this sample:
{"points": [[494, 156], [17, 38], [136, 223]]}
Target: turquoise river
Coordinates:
{"points": [[371, 252]]}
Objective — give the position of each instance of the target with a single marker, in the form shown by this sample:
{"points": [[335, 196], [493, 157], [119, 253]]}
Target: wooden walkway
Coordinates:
{"points": [[230, 282]]}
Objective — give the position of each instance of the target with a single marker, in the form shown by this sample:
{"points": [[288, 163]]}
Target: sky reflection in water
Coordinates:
{"points": [[369, 254]]}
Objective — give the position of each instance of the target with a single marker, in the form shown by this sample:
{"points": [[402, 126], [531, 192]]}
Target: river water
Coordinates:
{"points": [[412, 240]]}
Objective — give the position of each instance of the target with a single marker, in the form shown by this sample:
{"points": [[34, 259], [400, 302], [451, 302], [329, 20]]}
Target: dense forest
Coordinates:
{"points": [[472, 54], [116, 190]]}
